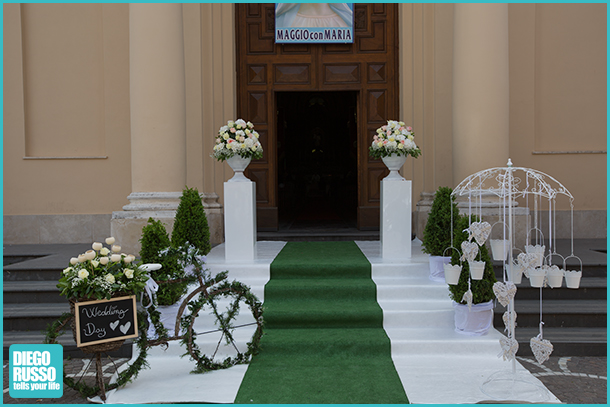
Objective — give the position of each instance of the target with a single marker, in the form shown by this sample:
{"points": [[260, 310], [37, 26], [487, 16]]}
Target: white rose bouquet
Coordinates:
{"points": [[237, 137], [394, 138], [101, 273]]}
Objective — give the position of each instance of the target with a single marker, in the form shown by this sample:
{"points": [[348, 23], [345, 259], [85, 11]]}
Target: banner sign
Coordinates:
{"points": [[105, 320], [297, 23]]}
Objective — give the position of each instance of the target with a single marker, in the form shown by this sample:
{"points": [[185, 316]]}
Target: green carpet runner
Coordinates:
{"points": [[324, 340]]}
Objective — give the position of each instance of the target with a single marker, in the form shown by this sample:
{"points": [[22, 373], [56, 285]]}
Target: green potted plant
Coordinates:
{"points": [[155, 249], [191, 224], [477, 318], [442, 220]]}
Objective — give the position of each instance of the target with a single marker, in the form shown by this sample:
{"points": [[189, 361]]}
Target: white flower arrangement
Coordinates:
{"points": [[394, 138], [101, 273], [237, 138]]}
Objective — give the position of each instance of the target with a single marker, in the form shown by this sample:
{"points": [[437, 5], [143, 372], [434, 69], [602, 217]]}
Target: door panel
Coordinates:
{"points": [[368, 66]]}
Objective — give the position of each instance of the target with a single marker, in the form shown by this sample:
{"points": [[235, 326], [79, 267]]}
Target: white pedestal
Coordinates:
{"points": [[395, 218], [240, 220]]}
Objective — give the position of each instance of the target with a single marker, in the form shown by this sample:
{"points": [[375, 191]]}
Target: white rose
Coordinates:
{"points": [[128, 273], [224, 129], [95, 263], [104, 260], [241, 122], [67, 270], [82, 258], [90, 255], [116, 248], [97, 246], [83, 274], [230, 123], [129, 258], [115, 258], [110, 240], [109, 278], [104, 251], [73, 261]]}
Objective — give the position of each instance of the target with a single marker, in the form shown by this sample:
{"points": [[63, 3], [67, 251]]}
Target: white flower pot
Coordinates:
{"points": [[238, 164], [437, 270], [452, 273], [573, 278], [499, 248], [536, 277], [394, 164], [538, 250], [555, 276], [477, 268], [516, 272], [474, 321]]}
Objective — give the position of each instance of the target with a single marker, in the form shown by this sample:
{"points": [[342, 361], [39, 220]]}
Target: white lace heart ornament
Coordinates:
{"points": [[480, 231], [541, 348], [506, 318], [505, 292], [527, 260], [468, 298], [509, 346], [469, 251]]}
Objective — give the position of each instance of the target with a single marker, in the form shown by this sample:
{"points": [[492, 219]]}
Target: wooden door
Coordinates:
{"points": [[368, 66]]}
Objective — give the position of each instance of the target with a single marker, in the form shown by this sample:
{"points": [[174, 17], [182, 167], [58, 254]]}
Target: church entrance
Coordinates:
{"points": [[317, 149], [300, 97]]}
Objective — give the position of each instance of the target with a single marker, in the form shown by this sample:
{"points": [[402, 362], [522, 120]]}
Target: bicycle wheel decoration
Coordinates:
{"points": [[213, 298]]}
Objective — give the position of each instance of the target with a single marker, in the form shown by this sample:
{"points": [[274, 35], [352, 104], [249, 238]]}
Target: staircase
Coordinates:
{"points": [[32, 300], [575, 321]]}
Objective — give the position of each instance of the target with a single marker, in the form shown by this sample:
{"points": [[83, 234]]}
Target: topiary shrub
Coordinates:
{"points": [[155, 245], [482, 290], [191, 223], [437, 233]]}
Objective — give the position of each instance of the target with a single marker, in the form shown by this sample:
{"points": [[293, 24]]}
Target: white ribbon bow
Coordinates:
{"points": [[151, 286]]}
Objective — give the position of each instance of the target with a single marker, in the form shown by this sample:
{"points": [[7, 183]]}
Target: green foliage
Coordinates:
{"points": [[156, 249], [482, 290], [191, 223], [437, 234]]}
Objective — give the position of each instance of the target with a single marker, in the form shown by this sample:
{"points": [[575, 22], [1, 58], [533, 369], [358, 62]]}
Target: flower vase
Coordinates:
{"points": [[238, 164], [394, 164]]}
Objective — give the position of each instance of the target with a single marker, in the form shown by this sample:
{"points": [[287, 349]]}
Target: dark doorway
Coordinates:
{"points": [[317, 147]]}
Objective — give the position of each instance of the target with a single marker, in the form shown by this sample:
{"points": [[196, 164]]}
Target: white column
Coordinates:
{"points": [[158, 125], [480, 88], [240, 220], [395, 218]]}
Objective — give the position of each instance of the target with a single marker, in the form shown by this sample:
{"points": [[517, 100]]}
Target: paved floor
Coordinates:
{"points": [[574, 380]]}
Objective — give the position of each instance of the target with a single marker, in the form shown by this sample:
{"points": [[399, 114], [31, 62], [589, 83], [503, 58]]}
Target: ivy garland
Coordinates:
{"points": [[209, 291]]}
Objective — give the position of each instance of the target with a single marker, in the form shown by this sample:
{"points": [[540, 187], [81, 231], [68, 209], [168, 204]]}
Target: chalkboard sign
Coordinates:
{"points": [[105, 320]]}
